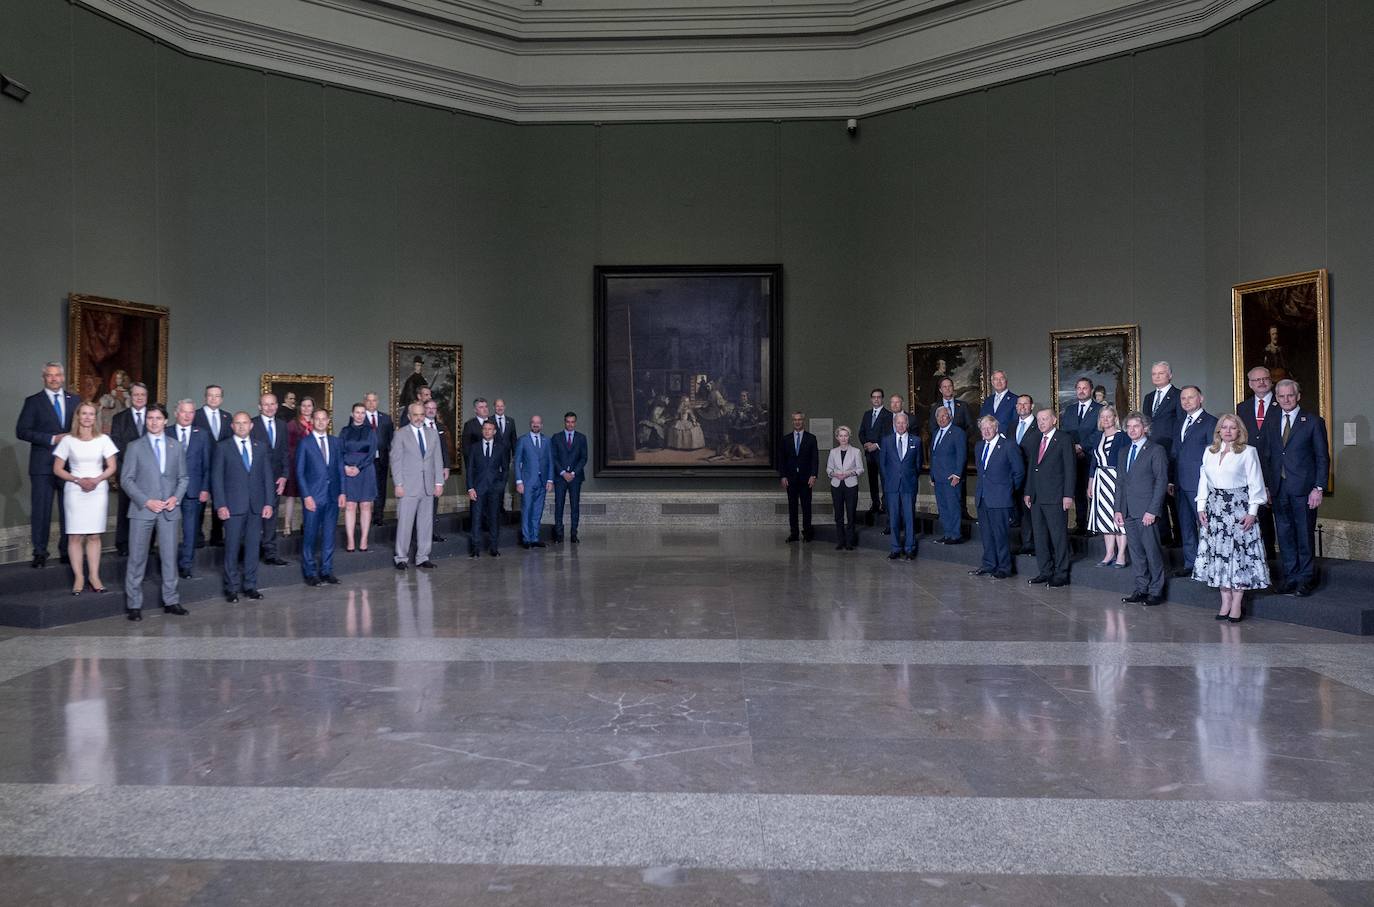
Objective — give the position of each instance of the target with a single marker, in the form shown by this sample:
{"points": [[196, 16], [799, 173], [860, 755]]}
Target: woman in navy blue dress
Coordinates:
{"points": [[360, 476]]}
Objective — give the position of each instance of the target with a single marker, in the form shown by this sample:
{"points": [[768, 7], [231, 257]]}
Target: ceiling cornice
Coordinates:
{"points": [[670, 60]]}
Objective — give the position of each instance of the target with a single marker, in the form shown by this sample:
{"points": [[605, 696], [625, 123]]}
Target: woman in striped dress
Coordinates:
{"points": [[1102, 488]]}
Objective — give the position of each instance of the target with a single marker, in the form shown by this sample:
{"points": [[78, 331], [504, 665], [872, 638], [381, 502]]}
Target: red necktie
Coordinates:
{"points": [[1259, 416], [1044, 442]]}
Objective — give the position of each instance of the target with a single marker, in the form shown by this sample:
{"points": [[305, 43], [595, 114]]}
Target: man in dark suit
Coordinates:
{"points": [[472, 428], [433, 421], [1000, 472], [1026, 435], [961, 417], [507, 435], [1166, 415], [1000, 404], [1185, 465], [1254, 412], [44, 420], [1142, 483], [270, 432], [1078, 421], [381, 426], [1049, 495], [486, 468], [900, 461], [569, 453], [126, 427], [1299, 463], [215, 422], [319, 478], [799, 460], [198, 447], [243, 484], [948, 455], [875, 425]]}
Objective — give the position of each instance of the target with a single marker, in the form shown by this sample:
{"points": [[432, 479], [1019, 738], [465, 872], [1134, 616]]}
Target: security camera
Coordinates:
{"points": [[852, 127]]}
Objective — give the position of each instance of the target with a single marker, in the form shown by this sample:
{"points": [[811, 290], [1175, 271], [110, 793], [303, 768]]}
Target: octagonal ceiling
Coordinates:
{"points": [[625, 60]]}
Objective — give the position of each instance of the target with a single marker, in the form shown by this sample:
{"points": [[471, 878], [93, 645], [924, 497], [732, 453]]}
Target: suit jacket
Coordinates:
{"points": [[417, 475], [226, 424], [1003, 474], [1004, 414], [37, 424], [1304, 462], [243, 491], [963, 418], [1141, 489], [314, 478], [276, 452], [845, 461], [1118, 441], [199, 451], [124, 430], [441, 430], [799, 465], [507, 437], [949, 457], [1030, 446], [1083, 431], [1185, 459], [1051, 479], [487, 473], [533, 466], [142, 481], [569, 457], [873, 431], [386, 430], [472, 434], [1164, 421], [1258, 436], [900, 474]]}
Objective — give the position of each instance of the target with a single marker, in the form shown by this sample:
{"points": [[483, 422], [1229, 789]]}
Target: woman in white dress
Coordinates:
{"points": [[1230, 553], [686, 433], [85, 460]]}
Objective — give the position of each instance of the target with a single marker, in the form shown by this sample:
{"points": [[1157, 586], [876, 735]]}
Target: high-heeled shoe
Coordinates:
{"points": [[98, 589], [1235, 620], [77, 590], [1222, 616]]}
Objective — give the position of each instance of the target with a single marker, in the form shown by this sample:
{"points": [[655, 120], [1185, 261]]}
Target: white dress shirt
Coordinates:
{"points": [[1225, 469]]}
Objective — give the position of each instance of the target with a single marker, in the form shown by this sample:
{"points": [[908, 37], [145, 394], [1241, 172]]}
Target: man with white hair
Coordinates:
{"points": [[1162, 405], [1299, 461]]}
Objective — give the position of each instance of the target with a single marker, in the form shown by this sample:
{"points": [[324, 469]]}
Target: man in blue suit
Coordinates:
{"points": [[533, 479], [569, 462], [799, 459], [1000, 473], [319, 477], [215, 422], [44, 420], [198, 448], [948, 454], [900, 460], [1185, 466], [1078, 422], [1000, 404], [486, 486], [242, 481], [1299, 462]]}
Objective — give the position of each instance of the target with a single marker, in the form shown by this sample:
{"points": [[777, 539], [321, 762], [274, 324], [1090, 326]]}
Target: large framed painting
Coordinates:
{"points": [[291, 389], [688, 370], [112, 344], [438, 366], [965, 362], [1109, 357]]}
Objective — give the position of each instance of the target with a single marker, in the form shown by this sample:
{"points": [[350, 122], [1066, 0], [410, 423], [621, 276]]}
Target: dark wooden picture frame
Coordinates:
{"points": [[319, 388], [968, 363], [440, 368], [111, 344], [723, 322]]}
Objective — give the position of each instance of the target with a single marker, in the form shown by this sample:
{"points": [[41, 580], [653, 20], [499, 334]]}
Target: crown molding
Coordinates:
{"points": [[731, 61]]}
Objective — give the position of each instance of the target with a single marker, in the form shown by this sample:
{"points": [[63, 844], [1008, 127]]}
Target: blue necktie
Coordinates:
{"points": [[421, 436], [1130, 461], [271, 433], [987, 454], [1020, 432], [57, 405], [243, 449], [157, 448]]}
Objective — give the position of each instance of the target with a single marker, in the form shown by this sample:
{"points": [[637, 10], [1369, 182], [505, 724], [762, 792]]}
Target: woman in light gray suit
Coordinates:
{"points": [[844, 467], [154, 477]]}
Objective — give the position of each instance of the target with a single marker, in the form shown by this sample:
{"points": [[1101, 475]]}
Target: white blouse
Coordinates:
{"points": [[1225, 469]]}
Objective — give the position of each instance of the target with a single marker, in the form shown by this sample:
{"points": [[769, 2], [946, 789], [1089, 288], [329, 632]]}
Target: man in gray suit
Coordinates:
{"points": [[418, 473], [154, 477], [1142, 481]]}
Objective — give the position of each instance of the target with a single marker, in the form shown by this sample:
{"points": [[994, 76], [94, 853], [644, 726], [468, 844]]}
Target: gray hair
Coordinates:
{"points": [[1163, 362], [1291, 383], [1140, 417], [57, 365], [186, 401], [986, 419], [138, 384]]}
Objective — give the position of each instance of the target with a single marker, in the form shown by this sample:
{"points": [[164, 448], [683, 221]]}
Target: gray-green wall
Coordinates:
{"points": [[291, 226]]}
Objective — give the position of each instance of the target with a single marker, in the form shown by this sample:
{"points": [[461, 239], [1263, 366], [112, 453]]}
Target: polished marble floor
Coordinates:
{"points": [[686, 717]]}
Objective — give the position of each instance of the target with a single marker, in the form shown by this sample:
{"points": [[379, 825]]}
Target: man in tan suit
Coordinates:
{"points": [[418, 473]]}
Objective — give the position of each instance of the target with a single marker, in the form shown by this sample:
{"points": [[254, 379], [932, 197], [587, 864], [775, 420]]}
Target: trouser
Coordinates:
{"points": [[1265, 518], [1082, 470], [379, 505], [1147, 556], [845, 500], [317, 537], [901, 518], [140, 540], [875, 480], [1051, 539], [191, 507], [268, 546], [799, 497], [242, 539], [531, 512], [122, 522], [1295, 526], [43, 487], [414, 516], [1184, 500], [573, 492], [216, 525], [1168, 522], [486, 514], [950, 508], [993, 523], [1022, 522]]}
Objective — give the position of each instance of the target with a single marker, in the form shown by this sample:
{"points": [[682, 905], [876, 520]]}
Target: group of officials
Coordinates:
{"points": [[1147, 475]]}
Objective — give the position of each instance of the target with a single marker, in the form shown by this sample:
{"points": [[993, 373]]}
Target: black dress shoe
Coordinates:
{"points": [[122, 550], [840, 546], [254, 594], [1183, 571], [791, 538], [558, 537], [494, 553], [979, 572], [911, 555], [1154, 600], [216, 543], [573, 538], [200, 543], [1135, 598], [525, 545], [1000, 574], [39, 560], [231, 597], [439, 538], [895, 556], [133, 613], [848, 547], [941, 541], [474, 554], [330, 578], [1058, 583], [954, 541], [275, 562], [1304, 591], [887, 530], [400, 565], [312, 580], [184, 574], [175, 609], [538, 545], [1037, 579], [426, 565]]}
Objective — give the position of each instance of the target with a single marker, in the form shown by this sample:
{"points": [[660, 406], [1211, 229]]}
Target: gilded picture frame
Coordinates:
{"points": [[1108, 356], [967, 362], [111, 344], [319, 388], [438, 366], [1284, 324]]}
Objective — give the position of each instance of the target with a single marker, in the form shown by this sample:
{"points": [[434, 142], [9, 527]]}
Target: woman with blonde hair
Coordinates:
{"points": [[85, 460], [844, 466], [1230, 553], [1102, 488]]}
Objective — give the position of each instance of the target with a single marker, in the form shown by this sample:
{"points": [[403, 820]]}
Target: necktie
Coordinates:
{"points": [[1159, 398], [57, 407], [138, 423], [949, 405], [1020, 431], [372, 420], [161, 461], [1130, 461], [214, 422], [271, 432], [324, 449], [796, 437], [1044, 442], [247, 461], [1259, 414], [1082, 411], [500, 424], [420, 436], [1187, 424], [487, 451], [1287, 427], [987, 454], [536, 442], [185, 436], [938, 438], [569, 435], [901, 447]]}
